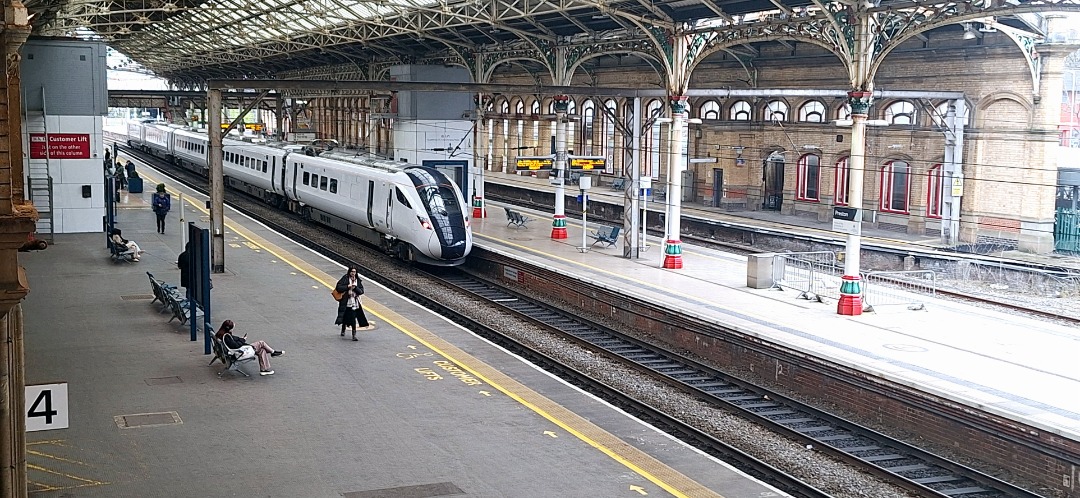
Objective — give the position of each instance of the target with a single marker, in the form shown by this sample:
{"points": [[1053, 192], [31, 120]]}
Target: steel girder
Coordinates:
{"points": [[244, 38]]}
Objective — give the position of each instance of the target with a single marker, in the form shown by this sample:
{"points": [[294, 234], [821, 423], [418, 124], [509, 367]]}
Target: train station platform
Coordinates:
{"points": [[1008, 365], [417, 407], [776, 222]]}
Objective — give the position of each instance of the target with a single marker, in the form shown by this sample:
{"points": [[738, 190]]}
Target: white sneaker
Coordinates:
{"points": [[266, 372]]}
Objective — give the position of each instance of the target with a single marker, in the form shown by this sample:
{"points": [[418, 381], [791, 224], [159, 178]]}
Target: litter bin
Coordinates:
{"points": [[134, 185]]}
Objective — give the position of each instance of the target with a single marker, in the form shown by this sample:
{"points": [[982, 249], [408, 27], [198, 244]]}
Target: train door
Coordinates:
{"points": [[773, 178], [370, 202], [390, 190]]}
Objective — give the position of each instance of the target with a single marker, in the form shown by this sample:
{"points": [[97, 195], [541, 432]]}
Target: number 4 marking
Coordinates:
{"points": [[47, 407], [48, 412]]}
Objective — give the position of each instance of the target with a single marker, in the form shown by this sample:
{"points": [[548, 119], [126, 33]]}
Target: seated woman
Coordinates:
{"points": [[130, 246], [262, 350]]}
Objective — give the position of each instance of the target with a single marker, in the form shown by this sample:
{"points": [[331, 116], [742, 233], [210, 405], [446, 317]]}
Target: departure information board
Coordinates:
{"points": [[534, 163], [587, 163]]}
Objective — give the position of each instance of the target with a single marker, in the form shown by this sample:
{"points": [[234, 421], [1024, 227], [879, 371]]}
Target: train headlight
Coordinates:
{"points": [[424, 222]]}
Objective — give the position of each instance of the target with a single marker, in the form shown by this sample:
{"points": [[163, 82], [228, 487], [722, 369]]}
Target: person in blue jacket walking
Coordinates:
{"points": [[161, 202]]}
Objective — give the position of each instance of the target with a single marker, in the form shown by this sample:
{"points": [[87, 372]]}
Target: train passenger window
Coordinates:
{"points": [[306, 177], [333, 186], [322, 183], [314, 180], [264, 166], [402, 199]]}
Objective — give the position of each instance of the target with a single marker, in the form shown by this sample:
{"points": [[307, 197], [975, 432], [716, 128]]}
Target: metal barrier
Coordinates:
{"points": [[898, 288], [814, 274]]}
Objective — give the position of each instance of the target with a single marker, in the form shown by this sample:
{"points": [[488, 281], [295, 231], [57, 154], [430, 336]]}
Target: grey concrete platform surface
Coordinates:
{"points": [[417, 407]]}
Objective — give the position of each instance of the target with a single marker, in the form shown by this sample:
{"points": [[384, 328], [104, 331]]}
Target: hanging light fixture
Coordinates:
{"points": [[969, 34]]}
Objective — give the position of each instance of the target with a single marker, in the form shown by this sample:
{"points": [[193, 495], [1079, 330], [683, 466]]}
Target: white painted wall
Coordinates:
{"points": [[71, 212]]}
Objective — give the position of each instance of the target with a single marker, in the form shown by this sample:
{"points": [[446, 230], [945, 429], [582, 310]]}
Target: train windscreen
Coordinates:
{"points": [[440, 200]]}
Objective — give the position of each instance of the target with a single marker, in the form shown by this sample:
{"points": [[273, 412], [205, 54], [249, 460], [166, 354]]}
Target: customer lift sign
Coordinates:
{"points": [[60, 146]]}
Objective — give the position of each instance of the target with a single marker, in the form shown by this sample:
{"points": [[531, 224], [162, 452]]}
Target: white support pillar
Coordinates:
{"points": [[558, 223], [675, 166]]}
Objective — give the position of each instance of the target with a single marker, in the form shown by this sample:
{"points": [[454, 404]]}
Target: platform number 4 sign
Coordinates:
{"points": [[46, 407]]}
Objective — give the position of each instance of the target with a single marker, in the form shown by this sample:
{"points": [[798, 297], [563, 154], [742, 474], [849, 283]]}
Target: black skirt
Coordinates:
{"points": [[350, 317]]}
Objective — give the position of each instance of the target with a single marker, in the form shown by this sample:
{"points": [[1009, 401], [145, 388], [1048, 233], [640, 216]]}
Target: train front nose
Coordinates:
{"points": [[453, 248]]}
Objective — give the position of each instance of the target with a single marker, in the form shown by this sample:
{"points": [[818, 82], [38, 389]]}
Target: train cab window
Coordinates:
{"points": [[333, 186], [401, 198], [322, 183], [307, 178]]}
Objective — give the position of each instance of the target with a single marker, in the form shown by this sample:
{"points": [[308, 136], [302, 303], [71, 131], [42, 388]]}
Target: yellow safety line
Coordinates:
{"points": [[54, 457], [469, 361], [69, 476]]}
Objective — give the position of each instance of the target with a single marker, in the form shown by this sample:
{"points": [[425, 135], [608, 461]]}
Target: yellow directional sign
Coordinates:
{"points": [[534, 163], [587, 162]]}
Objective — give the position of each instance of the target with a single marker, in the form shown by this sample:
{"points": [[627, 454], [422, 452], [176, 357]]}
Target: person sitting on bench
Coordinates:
{"points": [[130, 247], [260, 348]]}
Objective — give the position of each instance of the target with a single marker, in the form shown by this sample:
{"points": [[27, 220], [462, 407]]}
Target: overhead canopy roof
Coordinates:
{"points": [[193, 40]]}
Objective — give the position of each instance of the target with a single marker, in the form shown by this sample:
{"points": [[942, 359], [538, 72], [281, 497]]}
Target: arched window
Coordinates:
{"points": [[901, 113], [933, 192], [505, 107], [844, 112], [942, 110], [607, 135], [812, 112], [841, 182], [536, 127], [709, 110], [776, 111], [895, 187], [808, 178], [572, 139], [588, 114], [651, 140], [741, 111], [519, 107]]}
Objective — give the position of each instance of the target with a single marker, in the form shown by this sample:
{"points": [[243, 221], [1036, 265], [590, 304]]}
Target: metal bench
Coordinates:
{"points": [[515, 218], [606, 235], [231, 358], [120, 253]]}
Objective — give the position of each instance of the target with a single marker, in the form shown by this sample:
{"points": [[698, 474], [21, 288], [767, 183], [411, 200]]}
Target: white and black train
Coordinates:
{"points": [[413, 212]]}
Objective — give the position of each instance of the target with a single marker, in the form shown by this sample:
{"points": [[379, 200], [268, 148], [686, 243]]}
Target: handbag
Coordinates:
{"points": [[246, 351], [337, 295]]}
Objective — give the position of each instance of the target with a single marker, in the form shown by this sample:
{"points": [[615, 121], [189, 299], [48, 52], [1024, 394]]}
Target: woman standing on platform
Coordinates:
{"points": [[161, 203], [348, 292]]}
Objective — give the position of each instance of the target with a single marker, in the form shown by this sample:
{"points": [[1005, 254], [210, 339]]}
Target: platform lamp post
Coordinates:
{"points": [[850, 302], [558, 222]]}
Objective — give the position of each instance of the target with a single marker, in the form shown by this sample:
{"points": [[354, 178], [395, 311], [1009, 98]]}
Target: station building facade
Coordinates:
{"points": [[787, 154]]}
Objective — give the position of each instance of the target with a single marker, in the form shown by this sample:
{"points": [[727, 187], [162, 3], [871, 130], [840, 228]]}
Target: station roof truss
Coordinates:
{"points": [[191, 41]]}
